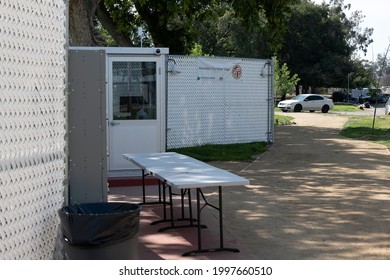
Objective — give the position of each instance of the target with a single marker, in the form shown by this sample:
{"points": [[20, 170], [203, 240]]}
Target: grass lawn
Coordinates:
{"points": [[228, 152], [282, 120], [345, 108], [360, 127]]}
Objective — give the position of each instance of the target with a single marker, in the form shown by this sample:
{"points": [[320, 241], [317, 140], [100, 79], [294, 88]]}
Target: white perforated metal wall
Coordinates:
{"points": [[208, 105], [32, 126]]}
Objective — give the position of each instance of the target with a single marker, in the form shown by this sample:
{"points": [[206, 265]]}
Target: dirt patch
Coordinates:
{"points": [[313, 195]]}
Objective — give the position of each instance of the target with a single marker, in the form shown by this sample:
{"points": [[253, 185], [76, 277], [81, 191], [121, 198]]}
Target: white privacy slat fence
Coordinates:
{"points": [[214, 100]]}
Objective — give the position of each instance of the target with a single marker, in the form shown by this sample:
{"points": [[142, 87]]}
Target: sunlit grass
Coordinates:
{"points": [[365, 128], [282, 120], [345, 108]]}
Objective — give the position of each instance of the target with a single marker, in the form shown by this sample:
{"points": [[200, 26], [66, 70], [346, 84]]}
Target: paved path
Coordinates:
{"points": [[313, 195]]}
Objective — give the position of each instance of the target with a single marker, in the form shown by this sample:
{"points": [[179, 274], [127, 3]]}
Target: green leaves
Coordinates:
{"points": [[320, 41], [178, 24], [284, 81]]}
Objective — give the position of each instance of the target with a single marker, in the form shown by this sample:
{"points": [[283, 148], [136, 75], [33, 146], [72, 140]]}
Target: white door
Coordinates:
{"points": [[136, 114]]}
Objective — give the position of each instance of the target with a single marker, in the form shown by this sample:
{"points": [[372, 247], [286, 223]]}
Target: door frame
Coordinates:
{"points": [[161, 95]]}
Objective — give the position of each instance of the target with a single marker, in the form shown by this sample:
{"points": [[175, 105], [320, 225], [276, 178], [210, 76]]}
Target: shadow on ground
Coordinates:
{"points": [[313, 195]]}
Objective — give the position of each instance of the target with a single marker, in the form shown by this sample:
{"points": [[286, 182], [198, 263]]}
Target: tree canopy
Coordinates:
{"points": [[169, 23], [317, 42], [284, 80], [320, 41]]}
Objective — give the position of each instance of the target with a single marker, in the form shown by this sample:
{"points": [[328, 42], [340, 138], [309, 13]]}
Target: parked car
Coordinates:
{"points": [[340, 96], [381, 98], [307, 102], [387, 107]]}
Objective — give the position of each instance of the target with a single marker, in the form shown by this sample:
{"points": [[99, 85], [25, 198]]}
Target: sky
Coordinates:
{"points": [[377, 16]]}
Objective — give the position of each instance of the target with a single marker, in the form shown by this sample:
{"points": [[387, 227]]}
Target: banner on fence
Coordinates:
{"points": [[217, 70]]}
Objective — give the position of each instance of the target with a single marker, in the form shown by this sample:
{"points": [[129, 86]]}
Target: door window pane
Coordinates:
{"points": [[134, 90]]}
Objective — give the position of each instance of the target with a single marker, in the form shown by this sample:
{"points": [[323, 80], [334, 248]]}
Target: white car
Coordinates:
{"points": [[387, 107], [307, 102]]}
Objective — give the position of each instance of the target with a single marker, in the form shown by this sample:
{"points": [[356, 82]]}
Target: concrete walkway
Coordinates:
{"points": [[313, 195]]}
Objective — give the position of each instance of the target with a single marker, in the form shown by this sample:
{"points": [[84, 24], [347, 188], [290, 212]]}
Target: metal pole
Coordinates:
{"points": [[140, 33], [198, 209], [348, 88], [220, 218]]}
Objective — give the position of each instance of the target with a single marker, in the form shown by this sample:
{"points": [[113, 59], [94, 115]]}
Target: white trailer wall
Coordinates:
{"points": [[214, 100], [32, 126]]}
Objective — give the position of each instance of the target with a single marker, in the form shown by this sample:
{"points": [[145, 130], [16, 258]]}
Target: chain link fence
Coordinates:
{"points": [[215, 100]]}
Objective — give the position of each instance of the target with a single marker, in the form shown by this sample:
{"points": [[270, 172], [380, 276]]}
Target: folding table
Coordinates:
{"points": [[186, 173]]}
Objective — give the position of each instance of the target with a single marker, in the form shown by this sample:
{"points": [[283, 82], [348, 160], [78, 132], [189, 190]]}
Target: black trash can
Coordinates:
{"points": [[100, 231]]}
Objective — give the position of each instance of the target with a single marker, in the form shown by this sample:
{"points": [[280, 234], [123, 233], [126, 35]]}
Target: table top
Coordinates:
{"points": [[184, 172]]}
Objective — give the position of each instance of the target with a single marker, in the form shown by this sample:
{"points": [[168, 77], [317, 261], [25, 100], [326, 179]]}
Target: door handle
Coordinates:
{"points": [[114, 123]]}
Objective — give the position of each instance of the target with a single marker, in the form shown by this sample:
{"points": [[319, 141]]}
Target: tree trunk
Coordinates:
{"points": [[305, 89], [297, 90], [107, 22], [81, 23], [162, 36]]}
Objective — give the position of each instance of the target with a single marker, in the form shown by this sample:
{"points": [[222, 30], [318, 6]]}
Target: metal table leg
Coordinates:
{"points": [[221, 247], [190, 219], [144, 191]]}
